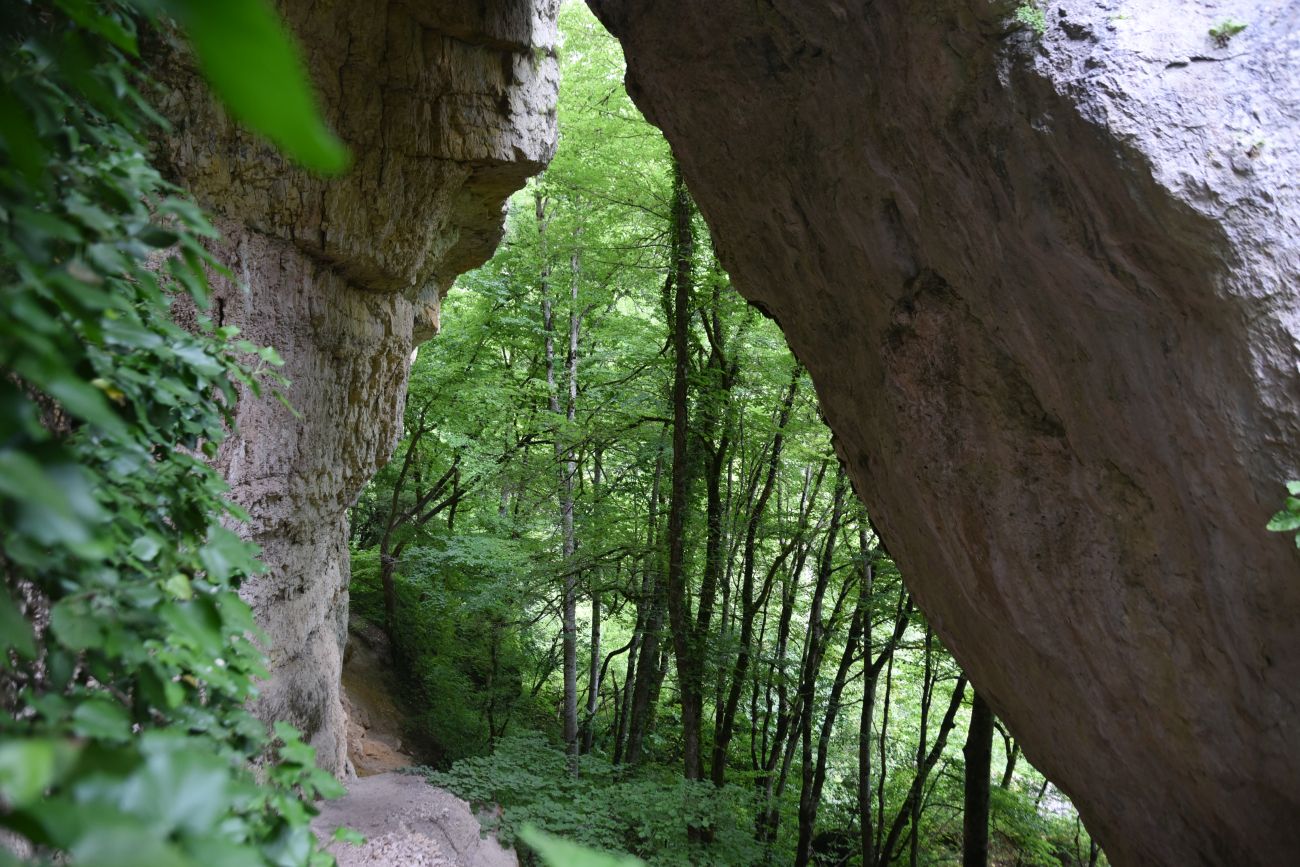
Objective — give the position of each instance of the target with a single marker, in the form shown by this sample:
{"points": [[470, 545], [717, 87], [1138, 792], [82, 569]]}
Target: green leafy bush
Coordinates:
{"points": [[127, 657], [454, 636], [1288, 517], [645, 814], [1031, 15]]}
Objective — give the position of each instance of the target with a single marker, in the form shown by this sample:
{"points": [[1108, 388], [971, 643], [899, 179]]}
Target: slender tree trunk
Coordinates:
{"points": [[881, 741], [565, 462], [814, 650], [593, 677], [594, 668], [655, 599], [927, 698], [978, 752], [870, 677], [910, 813], [787, 714], [814, 779], [865, 719], [726, 721], [1013, 753], [684, 650]]}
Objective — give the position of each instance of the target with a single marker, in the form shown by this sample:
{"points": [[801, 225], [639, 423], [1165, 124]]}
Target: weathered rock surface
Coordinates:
{"points": [[375, 721], [1047, 289], [407, 823], [447, 108]]}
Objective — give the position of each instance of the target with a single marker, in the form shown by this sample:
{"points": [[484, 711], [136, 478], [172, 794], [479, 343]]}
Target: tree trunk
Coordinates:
{"points": [[814, 779], [726, 721], [882, 741], [1013, 753], [689, 675], [871, 676], [655, 598], [910, 813], [927, 699], [593, 676], [565, 463], [979, 753]]}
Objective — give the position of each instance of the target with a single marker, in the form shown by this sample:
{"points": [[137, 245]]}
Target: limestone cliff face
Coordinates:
{"points": [[1047, 289], [448, 108]]}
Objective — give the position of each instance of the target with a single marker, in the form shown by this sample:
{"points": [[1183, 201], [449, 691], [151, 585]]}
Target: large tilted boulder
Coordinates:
{"points": [[1047, 289], [448, 108]]}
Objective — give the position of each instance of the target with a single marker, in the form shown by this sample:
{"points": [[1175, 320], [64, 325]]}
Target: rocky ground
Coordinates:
{"points": [[406, 822]]}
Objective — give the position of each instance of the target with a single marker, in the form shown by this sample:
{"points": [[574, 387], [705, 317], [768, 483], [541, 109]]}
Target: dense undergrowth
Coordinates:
{"points": [[127, 655]]}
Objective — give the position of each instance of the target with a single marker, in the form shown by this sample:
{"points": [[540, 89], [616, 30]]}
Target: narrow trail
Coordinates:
{"points": [[374, 717], [406, 822]]}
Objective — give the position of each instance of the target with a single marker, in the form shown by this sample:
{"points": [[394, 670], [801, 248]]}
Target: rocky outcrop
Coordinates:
{"points": [[1047, 289], [407, 823], [447, 109]]}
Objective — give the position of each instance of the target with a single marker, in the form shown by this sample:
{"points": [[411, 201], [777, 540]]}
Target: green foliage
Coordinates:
{"points": [[1223, 32], [453, 637], [645, 813], [558, 852], [1288, 517], [125, 739], [1031, 15]]}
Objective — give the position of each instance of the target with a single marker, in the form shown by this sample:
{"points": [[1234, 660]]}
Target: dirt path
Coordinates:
{"points": [[408, 823], [374, 718]]}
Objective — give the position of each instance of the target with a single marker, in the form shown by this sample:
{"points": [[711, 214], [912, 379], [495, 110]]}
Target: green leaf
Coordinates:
{"points": [[145, 548], [1284, 522], [179, 586], [87, 14], [30, 766], [76, 625], [101, 718], [1293, 488], [179, 787], [77, 396], [344, 834], [15, 631], [557, 852], [227, 555], [254, 66]]}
